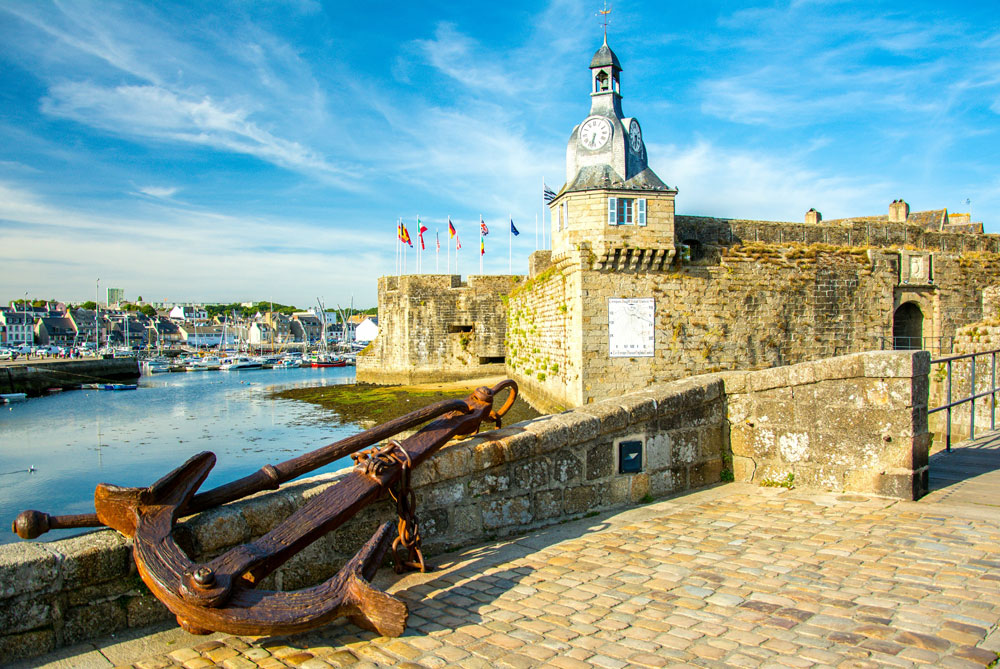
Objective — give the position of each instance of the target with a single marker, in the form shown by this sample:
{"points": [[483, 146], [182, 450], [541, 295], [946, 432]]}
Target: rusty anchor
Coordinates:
{"points": [[221, 594]]}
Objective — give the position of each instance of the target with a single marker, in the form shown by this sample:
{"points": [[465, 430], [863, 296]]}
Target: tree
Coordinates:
{"points": [[148, 310], [89, 304]]}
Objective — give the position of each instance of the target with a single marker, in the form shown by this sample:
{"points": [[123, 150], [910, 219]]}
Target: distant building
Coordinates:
{"points": [[306, 327], [188, 314], [115, 296], [19, 327], [55, 331], [201, 336], [367, 330]]}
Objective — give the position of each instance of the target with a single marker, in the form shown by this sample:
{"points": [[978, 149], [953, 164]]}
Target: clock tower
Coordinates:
{"points": [[611, 198]]}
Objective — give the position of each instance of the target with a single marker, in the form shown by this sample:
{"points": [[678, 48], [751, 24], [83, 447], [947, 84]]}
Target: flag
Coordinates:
{"points": [[438, 236], [458, 243], [547, 193], [482, 247], [406, 235], [423, 229], [451, 229], [513, 230], [399, 231], [482, 227]]}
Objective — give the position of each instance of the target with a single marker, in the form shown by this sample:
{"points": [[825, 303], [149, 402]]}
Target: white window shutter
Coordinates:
{"points": [[640, 216], [612, 211]]}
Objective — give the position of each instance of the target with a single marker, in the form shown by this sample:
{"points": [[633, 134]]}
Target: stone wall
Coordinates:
{"points": [[501, 482], [36, 376], [748, 305], [851, 423], [586, 223], [874, 232], [436, 328]]}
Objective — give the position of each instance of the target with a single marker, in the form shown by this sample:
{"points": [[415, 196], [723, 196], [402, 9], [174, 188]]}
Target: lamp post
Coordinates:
{"points": [[24, 324], [97, 318]]}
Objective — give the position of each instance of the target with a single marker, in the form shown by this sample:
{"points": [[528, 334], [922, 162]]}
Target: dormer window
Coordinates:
{"points": [[601, 82]]}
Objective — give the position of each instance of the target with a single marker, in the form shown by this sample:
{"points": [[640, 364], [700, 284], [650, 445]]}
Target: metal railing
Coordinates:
{"points": [[973, 395], [936, 345]]}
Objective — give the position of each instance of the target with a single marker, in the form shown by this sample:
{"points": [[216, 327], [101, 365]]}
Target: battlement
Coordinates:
{"points": [[868, 231], [435, 327]]}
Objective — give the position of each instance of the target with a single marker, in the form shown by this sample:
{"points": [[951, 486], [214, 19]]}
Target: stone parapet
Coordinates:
{"points": [[856, 422]]}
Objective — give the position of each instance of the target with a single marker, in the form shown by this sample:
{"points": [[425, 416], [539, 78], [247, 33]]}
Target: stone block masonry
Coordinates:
{"points": [[36, 376], [741, 306], [856, 422], [436, 328]]}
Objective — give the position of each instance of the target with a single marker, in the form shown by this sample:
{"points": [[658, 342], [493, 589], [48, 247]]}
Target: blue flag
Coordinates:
{"points": [[513, 229]]}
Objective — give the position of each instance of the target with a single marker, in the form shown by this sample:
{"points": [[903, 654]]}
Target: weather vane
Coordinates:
{"points": [[604, 12]]}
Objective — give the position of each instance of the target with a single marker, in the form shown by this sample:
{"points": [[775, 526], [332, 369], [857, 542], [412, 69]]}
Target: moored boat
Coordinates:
{"points": [[8, 398], [238, 363]]}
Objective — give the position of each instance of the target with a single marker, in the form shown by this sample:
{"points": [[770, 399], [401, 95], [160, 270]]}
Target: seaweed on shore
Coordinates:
{"points": [[369, 404]]}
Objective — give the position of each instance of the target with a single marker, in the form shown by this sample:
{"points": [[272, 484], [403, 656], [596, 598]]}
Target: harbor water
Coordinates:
{"points": [[54, 450]]}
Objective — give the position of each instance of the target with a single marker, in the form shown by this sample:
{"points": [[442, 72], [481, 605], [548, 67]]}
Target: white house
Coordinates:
{"points": [[367, 330], [180, 313], [202, 336]]}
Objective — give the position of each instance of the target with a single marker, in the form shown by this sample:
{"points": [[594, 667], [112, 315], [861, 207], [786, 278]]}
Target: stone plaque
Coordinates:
{"points": [[630, 327]]}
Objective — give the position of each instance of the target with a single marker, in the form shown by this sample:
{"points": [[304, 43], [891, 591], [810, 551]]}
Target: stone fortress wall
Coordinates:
{"points": [[741, 295], [854, 423], [437, 328]]}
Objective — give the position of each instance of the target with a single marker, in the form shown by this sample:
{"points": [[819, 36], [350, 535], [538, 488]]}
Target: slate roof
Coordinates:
{"points": [[593, 177], [605, 56]]}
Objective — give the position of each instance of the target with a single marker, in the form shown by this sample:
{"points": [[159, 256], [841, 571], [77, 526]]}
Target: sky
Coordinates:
{"points": [[236, 151]]}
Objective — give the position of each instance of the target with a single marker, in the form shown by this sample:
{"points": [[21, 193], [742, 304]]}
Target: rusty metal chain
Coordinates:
{"points": [[406, 551]]}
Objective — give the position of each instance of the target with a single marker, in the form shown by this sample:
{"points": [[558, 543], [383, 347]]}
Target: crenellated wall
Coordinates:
{"points": [[743, 295], [436, 328]]}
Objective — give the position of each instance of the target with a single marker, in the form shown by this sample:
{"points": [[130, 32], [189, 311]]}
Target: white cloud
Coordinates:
{"points": [[162, 192], [726, 182], [156, 113], [186, 252]]}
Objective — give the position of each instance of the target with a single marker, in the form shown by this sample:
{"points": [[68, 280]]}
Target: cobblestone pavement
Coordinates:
{"points": [[732, 576]]}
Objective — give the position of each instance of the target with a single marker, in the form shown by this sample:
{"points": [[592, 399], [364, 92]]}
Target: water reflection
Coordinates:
{"points": [[75, 440]]}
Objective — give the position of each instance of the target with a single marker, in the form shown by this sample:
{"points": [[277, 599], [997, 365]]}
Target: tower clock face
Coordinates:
{"points": [[635, 136], [595, 133]]}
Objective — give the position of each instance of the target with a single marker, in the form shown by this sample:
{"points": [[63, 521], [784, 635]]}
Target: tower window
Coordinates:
{"points": [[626, 211], [625, 205]]}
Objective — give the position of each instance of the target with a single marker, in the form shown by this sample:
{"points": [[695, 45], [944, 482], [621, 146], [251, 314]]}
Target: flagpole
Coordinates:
{"points": [[543, 215], [481, 245], [437, 252], [510, 240], [449, 247]]}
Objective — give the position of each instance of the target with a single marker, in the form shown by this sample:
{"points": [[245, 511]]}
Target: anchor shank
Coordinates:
{"points": [[324, 513]]}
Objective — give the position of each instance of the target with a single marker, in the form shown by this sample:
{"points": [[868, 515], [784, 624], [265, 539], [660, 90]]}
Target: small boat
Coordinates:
{"points": [[8, 398], [157, 367], [326, 361], [53, 391], [117, 386], [242, 362]]}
